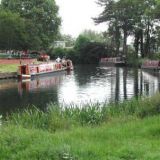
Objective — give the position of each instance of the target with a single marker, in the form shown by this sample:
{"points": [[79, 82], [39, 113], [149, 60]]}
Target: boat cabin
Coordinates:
{"points": [[112, 61], [28, 70]]}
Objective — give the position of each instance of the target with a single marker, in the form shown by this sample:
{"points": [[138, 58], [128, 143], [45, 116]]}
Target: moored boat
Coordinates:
{"points": [[112, 61], [27, 71], [151, 65]]}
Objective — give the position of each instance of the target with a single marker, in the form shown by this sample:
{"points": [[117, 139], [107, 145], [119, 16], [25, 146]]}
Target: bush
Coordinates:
{"points": [[69, 53], [133, 60], [91, 52], [57, 52], [155, 56]]}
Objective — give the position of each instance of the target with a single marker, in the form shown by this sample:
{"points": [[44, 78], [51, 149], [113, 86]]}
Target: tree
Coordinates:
{"points": [[12, 31], [88, 51], [149, 23], [81, 42], [115, 38], [42, 15], [110, 16], [118, 14], [93, 36], [92, 52], [70, 41], [128, 17]]}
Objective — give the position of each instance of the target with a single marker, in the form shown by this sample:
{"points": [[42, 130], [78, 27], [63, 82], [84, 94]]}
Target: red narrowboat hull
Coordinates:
{"points": [[28, 71]]}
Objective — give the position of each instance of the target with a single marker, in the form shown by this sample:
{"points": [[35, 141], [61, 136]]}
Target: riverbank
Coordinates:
{"points": [[8, 71], [8, 68], [128, 130]]}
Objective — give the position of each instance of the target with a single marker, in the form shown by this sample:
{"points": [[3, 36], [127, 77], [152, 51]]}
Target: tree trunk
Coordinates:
{"points": [[147, 50], [136, 43], [117, 40], [125, 42], [142, 50]]}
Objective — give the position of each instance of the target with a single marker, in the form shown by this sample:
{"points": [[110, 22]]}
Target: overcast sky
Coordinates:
{"points": [[76, 16]]}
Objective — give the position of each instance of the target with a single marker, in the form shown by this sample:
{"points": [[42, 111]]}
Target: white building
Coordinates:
{"points": [[60, 44]]}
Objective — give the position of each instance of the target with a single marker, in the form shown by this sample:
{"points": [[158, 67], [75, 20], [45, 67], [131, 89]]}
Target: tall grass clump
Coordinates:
{"points": [[51, 120], [88, 114], [31, 117], [60, 118], [141, 107]]}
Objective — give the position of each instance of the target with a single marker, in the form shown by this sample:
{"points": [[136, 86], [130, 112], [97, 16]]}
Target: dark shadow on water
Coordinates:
{"points": [[83, 73]]}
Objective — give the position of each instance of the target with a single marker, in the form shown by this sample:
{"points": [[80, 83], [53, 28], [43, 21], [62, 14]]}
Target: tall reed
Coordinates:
{"points": [[57, 117]]}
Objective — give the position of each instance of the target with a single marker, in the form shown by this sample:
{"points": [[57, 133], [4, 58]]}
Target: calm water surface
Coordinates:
{"points": [[84, 85]]}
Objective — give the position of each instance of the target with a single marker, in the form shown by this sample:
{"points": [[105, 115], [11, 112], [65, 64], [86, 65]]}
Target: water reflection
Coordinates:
{"points": [[106, 84], [39, 92], [86, 84], [39, 84]]}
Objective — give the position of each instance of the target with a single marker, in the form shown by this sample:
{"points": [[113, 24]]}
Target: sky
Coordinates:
{"points": [[77, 16]]}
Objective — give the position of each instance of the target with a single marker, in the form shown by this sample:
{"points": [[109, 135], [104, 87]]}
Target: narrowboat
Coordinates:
{"points": [[26, 71], [151, 65], [113, 61]]}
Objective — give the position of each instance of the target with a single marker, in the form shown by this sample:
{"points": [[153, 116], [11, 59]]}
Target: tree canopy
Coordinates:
{"points": [[128, 17], [41, 20], [93, 36], [12, 31]]}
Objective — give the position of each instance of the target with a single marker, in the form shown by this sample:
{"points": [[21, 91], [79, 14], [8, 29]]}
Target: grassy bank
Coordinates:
{"points": [[5, 68], [132, 140], [58, 118], [125, 131]]}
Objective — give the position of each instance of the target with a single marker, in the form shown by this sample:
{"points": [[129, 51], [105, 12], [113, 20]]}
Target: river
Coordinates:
{"points": [[86, 84]]}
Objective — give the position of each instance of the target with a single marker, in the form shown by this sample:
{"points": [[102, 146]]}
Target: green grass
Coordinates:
{"points": [[124, 131], [124, 140], [5, 68]]}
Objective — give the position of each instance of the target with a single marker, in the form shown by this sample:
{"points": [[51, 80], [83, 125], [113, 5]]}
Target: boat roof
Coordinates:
{"points": [[39, 64]]}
